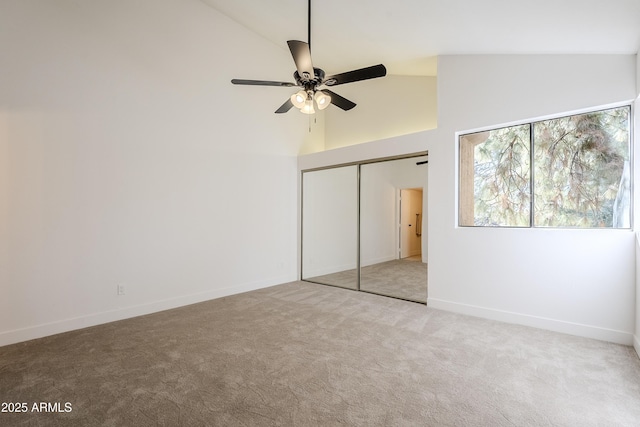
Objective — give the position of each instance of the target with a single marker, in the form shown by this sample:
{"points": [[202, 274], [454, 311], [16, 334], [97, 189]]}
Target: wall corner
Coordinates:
{"points": [[638, 74], [636, 337]]}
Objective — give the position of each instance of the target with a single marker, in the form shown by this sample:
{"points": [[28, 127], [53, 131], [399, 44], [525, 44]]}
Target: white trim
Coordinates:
{"points": [[636, 344], [532, 121], [57, 327], [595, 332], [587, 110], [379, 260], [315, 272]]}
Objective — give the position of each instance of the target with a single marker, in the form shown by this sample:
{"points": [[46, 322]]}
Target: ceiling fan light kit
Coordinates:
{"points": [[311, 80], [308, 107], [299, 98], [322, 100]]}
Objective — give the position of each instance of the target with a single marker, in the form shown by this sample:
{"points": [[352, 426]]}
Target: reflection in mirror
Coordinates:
{"points": [[393, 250], [330, 226]]}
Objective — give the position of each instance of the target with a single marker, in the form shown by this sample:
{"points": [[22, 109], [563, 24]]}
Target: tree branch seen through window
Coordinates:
{"points": [[580, 173]]}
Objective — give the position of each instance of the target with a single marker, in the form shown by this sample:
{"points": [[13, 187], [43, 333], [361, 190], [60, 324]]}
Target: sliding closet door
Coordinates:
{"points": [[393, 229], [330, 226]]}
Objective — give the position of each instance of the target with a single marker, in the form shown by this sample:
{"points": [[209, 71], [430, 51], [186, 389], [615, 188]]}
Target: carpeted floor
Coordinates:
{"points": [[302, 354], [401, 278]]}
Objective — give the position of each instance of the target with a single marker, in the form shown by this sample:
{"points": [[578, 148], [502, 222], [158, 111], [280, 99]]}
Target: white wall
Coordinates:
{"points": [[4, 196], [127, 157], [638, 74], [636, 341], [636, 336], [578, 281], [574, 281], [386, 107], [330, 218]]}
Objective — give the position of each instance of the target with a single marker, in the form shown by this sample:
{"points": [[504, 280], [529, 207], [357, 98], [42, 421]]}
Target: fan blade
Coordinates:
{"points": [[302, 57], [372, 72], [338, 100], [261, 83], [285, 107]]}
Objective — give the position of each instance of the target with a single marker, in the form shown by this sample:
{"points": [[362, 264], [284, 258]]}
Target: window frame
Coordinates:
{"points": [[465, 173]]}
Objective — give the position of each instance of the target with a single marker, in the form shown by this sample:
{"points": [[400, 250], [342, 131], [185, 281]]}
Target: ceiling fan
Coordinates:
{"points": [[311, 79]]}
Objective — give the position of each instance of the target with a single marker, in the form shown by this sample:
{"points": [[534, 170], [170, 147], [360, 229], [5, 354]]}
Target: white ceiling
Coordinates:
{"points": [[406, 35]]}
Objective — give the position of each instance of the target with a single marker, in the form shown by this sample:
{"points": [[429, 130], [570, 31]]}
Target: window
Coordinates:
{"points": [[566, 172]]}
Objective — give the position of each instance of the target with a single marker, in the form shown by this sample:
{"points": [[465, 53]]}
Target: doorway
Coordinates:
{"points": [[410, 223]]}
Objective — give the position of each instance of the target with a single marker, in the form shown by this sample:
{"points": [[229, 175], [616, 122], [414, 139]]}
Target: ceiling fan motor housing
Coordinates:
{"points": [[307, 82]]}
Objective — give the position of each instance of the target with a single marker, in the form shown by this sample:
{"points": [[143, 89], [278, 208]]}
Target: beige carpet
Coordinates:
{"points": [[302, 354], [401, 278]]}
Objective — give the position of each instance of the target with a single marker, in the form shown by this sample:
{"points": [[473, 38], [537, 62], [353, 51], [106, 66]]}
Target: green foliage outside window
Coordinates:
{"points": [[580, 173], [502, 178]]}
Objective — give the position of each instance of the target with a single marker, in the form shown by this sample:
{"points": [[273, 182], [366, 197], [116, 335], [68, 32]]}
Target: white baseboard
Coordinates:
{"points": [[315, 272], [379, 260], [588, 331], [636, 344], [66, 325]]}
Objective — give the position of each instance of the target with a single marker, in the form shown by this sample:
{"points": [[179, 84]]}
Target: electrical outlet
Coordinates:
{"points": [[120, 289]]}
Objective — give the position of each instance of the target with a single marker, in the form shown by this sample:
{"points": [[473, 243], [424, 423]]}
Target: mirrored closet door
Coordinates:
{"points": [[364, 227], [330, 226], [392, 224]]}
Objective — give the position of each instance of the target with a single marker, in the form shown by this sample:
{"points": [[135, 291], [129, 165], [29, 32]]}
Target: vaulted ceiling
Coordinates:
{"points": [[406, 35]]}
